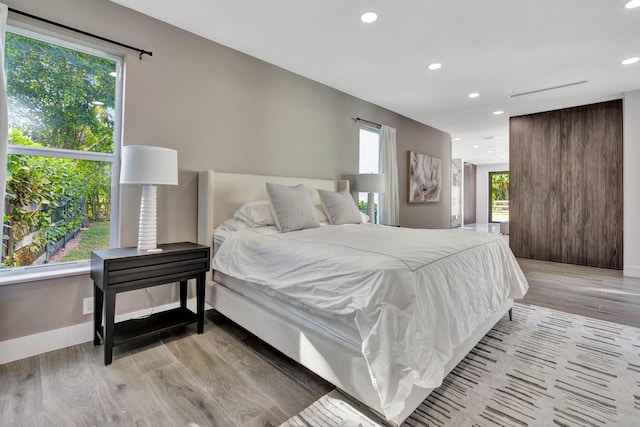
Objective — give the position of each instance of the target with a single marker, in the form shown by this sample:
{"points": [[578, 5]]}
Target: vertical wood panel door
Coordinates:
{"points": [[580, 151], [534, 157], [592, 195], [613, 185]]}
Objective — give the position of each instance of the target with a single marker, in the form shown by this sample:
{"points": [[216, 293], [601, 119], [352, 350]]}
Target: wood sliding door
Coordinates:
{"points": [[566, 185]]}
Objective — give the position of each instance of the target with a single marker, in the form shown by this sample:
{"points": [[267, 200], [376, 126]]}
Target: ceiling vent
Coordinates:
{"points": [[549, 88]]}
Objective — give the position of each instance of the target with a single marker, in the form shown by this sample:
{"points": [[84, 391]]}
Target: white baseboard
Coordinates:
{"points": [[631, 271], [31, 345]]}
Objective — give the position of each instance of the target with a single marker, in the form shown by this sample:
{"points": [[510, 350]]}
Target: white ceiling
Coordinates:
{"points": [[494, 47]]}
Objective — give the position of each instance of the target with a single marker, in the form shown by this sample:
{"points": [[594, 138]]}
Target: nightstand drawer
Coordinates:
{"points": [[159, 272], [142, 261], [134, 268]]}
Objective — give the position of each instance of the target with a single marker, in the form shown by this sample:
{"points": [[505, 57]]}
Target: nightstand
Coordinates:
{"points": [[126, 269]]}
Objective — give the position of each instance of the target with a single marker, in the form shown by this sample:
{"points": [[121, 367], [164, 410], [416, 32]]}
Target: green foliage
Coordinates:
{"points": [[499, 186], [52, 90], [58, 98], [46, 198]]}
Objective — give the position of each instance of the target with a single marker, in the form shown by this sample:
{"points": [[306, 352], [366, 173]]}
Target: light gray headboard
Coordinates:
{"points": [[221, 194]]}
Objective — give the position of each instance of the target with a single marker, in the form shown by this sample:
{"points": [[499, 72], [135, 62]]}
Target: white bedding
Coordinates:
{"points": [[342, 331], [414, 294]]}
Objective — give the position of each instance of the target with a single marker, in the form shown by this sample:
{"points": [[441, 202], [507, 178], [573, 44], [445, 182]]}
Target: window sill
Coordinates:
{"points": [[33, 274]]}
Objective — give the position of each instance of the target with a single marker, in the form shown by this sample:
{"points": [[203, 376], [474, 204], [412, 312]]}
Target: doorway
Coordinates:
{"points": [[499, 196]]}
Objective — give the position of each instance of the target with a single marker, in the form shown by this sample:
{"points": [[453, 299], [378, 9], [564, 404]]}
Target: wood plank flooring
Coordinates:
{"points": [[593, 292], [228, 377]]}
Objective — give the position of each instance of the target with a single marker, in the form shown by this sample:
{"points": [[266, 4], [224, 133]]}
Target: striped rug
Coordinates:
{"points": [[545, 368]]}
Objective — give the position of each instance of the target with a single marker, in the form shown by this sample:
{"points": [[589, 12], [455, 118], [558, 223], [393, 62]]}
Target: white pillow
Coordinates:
{"points": [[292, 207], [340, 207], [233, 224], [322, 215], [255, 214]]}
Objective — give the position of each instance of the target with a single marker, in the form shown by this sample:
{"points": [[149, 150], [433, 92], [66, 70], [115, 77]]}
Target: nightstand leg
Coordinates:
{"points": [[511, 314], [200, 280], [183, 294], [110, 311], [98, 297]]}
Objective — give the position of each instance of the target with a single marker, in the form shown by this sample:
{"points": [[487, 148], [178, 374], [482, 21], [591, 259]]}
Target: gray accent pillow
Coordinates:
{"points": [[292, 207], [340, 207]]}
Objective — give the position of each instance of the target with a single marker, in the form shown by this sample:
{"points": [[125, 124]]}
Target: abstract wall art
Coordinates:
{"points": [[424, 182]]}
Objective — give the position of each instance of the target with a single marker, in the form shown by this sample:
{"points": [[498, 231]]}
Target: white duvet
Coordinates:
{"points": [[414, 294]]}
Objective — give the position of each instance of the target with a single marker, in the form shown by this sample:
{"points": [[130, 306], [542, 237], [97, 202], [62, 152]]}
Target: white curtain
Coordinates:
{"points": [[4, 115], [390, 199]]}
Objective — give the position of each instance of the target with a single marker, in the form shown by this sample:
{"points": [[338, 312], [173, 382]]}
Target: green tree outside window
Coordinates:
{"points": [[59, 98]]}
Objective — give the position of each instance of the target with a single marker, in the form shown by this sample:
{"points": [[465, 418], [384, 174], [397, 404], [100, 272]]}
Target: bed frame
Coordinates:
{"points": [[219, 196]]}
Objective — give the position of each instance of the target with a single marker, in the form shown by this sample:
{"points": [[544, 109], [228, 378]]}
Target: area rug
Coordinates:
{"points": [[544, 368]]}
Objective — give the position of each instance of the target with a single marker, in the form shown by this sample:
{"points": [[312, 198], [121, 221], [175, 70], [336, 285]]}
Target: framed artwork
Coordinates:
{"points": [[424, 182]]}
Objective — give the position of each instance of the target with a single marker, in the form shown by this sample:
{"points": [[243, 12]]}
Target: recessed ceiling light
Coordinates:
{"points": [[630, 61], [435, 66], [490, 152], [369, 17], [473, 95], [497, 113], [97, 103], [457, 139], [632, 4], [476, 146], [502, 157], [113, 74]]}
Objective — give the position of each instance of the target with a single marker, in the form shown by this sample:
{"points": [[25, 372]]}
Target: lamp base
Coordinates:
{"points": [[147, 228], [370, 208]]}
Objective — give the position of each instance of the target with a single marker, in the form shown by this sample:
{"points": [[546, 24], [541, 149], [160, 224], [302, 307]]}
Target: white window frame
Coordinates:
{"points": [[13, 275]]}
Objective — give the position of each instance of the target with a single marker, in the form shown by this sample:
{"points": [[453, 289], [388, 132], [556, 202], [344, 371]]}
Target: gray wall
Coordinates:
{"points": [[422, 139], [221, 110], [631, 172]]}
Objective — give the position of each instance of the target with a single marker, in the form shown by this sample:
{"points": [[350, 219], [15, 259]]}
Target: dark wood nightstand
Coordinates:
{"points": [[126, 269]]}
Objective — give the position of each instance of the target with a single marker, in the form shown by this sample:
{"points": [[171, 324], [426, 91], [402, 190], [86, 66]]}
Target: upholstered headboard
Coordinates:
{"points": [[221, 194]]}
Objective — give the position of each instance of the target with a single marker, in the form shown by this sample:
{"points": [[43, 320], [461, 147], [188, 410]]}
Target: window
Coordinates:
{"points": [[498, 196], [64, 126], [369, 162]]}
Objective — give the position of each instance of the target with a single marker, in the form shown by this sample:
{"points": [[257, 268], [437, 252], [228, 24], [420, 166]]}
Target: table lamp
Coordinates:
{"points": [[149, 166], [371, 183]]}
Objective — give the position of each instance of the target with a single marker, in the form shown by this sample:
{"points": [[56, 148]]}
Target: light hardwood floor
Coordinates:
{"points": [[594, 292], [228, 377]]}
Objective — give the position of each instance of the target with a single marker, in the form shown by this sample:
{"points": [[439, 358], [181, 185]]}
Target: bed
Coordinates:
{"points": [[319, 341]]}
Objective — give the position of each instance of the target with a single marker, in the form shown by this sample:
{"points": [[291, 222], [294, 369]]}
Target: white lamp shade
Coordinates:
{"points": [[144, 164], [371, 183]]}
